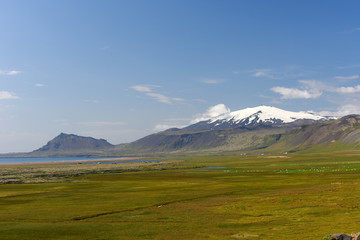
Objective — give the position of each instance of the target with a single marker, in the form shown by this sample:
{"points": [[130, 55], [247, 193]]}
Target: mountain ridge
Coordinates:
{"points": [[266, 134]]}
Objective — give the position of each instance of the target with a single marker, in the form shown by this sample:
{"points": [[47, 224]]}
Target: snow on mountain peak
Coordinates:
{"points": [[220, 117], [265, 114]]}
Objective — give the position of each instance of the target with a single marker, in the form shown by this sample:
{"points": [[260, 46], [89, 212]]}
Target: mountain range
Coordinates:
{"points": [[261, 128]]}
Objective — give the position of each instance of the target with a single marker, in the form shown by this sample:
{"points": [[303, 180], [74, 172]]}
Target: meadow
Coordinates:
{"points": [[294, 196]]}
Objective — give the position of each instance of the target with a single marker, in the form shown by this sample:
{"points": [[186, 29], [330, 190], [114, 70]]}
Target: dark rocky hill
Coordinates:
{"points": [[70, 144]]}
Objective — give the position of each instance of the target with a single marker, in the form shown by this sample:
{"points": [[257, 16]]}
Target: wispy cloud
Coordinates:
{"points": [[200, 100], [102, 123], [347, 77], [91, 101], [353, 30], [39, 85], [164, 99], [315, 86], [283, 72], [293, 93], [9, 73], [148, 90], [62, 122], [142, 88], [268, 73], [355, 89], [349, 66], [4, 95], [213, 81]]}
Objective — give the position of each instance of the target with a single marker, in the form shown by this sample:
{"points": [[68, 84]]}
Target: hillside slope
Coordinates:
{"points": [[235, 139], [344, 131], [295, 136]]}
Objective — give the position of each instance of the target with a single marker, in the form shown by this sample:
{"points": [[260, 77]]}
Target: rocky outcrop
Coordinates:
{"points": [[342, 236]]}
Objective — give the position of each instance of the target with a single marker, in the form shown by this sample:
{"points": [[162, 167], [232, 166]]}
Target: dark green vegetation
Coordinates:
{"points": [[292, 196]]}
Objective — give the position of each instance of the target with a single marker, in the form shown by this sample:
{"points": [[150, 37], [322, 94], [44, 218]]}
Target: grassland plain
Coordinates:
{"points": [[304, 196]]}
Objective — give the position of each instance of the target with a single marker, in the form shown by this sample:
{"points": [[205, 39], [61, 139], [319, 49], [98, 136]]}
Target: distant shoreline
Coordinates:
{"points": [[102, 160]]}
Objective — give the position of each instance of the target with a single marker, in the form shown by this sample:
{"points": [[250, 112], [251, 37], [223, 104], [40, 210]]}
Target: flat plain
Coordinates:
{"points": [[293, 196]]}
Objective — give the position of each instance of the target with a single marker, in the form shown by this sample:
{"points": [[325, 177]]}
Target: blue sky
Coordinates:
{"points": [[120, 70]]}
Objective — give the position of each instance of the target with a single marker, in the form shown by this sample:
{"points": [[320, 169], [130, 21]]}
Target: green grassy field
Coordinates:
{"points": [[305, 196]]}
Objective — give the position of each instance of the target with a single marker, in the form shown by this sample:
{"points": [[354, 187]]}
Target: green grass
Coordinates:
{"points": [[305, 196]]}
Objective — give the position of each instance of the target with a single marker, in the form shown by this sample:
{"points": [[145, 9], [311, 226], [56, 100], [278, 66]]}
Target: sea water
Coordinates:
{"points": [[46, 159], [69, 160]]}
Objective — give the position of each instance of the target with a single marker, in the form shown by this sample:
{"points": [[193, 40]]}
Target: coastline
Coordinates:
{"points": [[102, 160]]}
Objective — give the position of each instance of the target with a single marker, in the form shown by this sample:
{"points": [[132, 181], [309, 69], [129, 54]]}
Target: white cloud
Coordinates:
{"points": [[347, 78], [212, 112], [7, 95], [10, 73], [39, 85], [317, 87], [142, 88], [102, 123], [213, 81], [343, 111], [293, 93], [348, 89]]}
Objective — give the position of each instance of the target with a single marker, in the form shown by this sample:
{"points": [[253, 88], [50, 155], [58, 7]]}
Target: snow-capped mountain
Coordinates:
{"points": [[261, 115]]}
